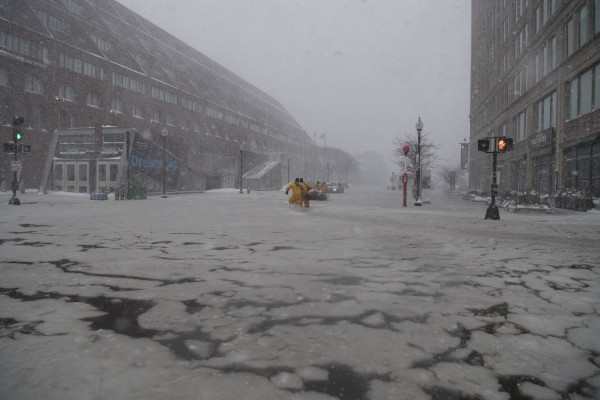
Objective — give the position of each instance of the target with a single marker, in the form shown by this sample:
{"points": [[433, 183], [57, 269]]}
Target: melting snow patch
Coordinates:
{"points": [[285, 380]]}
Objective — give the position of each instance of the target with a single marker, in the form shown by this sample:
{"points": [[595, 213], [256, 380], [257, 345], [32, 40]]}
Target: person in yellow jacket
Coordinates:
{"points": [[324, 187], [297, 192], [306, 196]]}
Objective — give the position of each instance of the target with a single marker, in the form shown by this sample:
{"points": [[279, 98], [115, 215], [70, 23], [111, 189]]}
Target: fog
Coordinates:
{"points": [[358, 72]]}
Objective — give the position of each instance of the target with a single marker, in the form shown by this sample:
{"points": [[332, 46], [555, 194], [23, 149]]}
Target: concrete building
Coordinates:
{"points": [[536, 78], [83, 73]]}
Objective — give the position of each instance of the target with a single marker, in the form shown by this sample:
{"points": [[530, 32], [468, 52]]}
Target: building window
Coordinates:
{"points": [[93, 99], [102, 44], [170, 120], [545, 110], [155, 115], [117, 106], [584, 93], [197, 127], [3, 77], [583, 25], [520, 126], [93, 71], [66, 92], [128, 83], [137, 111], [570, 37], [585, 97], [33, 84], [596, 17]]}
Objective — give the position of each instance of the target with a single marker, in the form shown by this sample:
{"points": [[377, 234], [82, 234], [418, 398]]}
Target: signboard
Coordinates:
{"points": [[15, 166], [541, 139]]}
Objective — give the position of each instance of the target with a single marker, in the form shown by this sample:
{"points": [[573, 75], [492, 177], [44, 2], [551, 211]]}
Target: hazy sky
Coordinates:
{"points": [[361, 71]]}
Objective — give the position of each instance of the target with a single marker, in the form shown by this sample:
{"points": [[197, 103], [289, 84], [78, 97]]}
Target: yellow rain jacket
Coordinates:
{"points": [[297, 193]]}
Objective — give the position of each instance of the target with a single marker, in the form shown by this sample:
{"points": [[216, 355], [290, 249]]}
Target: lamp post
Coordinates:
{"points": [[405, 149], [241, 169], [164, 133], [419, 127]]}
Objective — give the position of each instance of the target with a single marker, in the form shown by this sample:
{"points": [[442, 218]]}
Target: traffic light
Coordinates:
{"points": [[483, 144], [17, 133], [504, 144]]}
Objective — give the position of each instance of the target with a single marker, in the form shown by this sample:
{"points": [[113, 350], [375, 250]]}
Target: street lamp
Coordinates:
{"points": [[241, 168], [164, 133], [419, 127]]}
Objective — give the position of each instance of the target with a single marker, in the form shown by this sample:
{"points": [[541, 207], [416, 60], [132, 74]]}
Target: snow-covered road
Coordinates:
{"points": [[235, 296]]}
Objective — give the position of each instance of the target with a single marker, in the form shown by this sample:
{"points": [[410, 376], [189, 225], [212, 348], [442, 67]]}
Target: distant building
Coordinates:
{"points": [[536, 78], [70, 67]]}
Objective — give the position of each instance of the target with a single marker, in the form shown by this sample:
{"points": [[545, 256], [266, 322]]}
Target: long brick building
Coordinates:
{"points": [[536, 78], [86, 75]]}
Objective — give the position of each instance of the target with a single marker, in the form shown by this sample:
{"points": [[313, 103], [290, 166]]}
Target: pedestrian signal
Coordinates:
{"points": [[483, 145], [504, 144]]}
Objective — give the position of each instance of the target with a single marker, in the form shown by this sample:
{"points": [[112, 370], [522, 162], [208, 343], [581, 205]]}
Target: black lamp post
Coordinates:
{"points": [[241, 169], [164, 133], [419, 127]]}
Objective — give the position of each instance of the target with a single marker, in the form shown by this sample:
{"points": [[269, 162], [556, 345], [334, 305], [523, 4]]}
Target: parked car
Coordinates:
{"points": [[335, 188]]}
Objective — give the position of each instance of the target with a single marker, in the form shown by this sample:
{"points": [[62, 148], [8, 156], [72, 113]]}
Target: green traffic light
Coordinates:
{"points": [[19, 136]]}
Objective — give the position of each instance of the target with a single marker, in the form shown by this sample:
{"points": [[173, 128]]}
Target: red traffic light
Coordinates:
{"points": [[406, 149]]}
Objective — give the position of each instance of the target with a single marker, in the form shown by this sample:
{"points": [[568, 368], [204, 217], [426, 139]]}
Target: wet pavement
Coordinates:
{"points": [[219, 295]]}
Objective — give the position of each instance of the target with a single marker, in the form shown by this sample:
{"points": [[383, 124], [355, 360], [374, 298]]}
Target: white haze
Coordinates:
{"points": [[361, 71]]}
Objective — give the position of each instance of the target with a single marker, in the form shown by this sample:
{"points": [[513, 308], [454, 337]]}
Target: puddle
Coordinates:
{"points": [[277, 248], [343, 383], [121, 315], [344, 280], [511, 383], [495, 310], [440, 393]]}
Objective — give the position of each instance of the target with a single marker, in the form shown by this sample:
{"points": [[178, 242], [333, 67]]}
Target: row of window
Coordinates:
{"points": [[52, 22], [81, 67], [23, 46]]}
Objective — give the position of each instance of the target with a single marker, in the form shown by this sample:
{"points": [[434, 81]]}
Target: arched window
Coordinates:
{"points": [[3, 77], [66, 92], [33, 84], [93, 99], [117, 106], [155, 115], [137, 111]]}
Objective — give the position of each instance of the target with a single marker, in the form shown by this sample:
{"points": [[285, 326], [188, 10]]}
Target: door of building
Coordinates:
{"points": [[71, 176], [107, 176]]}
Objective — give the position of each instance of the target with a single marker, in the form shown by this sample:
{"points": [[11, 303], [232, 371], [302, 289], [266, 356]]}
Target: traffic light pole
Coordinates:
{"points": [[492, 211], [17, 122], [15, 183]]}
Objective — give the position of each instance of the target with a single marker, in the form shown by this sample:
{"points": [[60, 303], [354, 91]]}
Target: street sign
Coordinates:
{"points": [[24, 148], [15, 166]]}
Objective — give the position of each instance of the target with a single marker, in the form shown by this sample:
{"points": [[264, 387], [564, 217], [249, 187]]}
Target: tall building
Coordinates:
{"points": [[78, 71], [535, 78]]}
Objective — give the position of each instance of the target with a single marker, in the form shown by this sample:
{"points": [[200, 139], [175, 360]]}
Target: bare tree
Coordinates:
{"points": [[452, 174], [428, 152]]}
